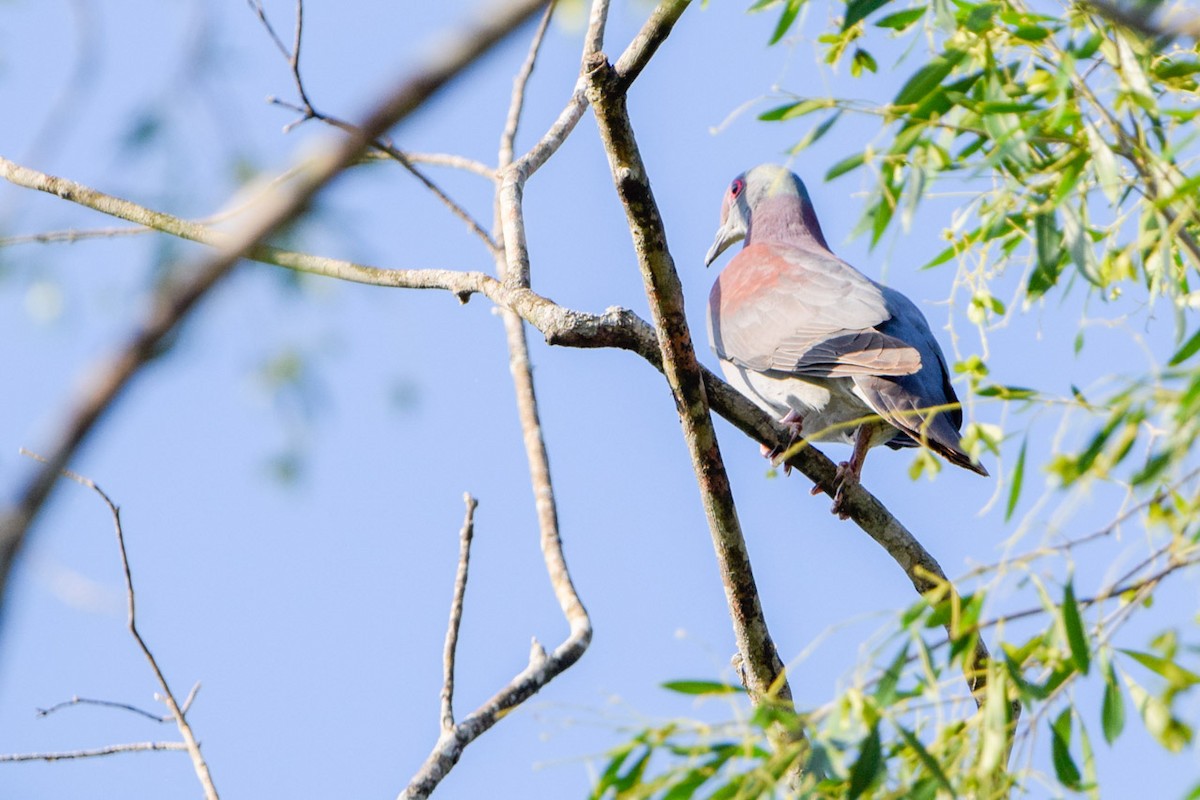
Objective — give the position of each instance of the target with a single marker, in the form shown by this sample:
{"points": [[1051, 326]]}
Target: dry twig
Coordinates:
{"points": [[168, 697]]}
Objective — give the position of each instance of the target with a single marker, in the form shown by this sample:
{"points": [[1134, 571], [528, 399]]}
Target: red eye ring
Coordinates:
{"points": [[737, 188]]}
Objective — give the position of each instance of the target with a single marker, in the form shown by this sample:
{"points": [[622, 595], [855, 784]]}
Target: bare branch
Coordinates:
{"points": [[456, 611], [108, 750], [185, 729], [518, 95], [85, 701], [280, 207]]}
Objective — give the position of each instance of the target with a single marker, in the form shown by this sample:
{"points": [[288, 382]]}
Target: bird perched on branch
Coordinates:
{"points": [[811, 340]]}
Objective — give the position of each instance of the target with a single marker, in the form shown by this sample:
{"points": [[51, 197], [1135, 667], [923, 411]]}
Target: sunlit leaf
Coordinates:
{"points": [[702, 687], [928, 78], [1014, 490], [1112, 708], [858, 10], [901, 20], [1073, 625], [1060, 745]]}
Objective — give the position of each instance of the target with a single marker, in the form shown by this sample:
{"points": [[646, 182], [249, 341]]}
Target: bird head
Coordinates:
{"points": [[744, 194]]}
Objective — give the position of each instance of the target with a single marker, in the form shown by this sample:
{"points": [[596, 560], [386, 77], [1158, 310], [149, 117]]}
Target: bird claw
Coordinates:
{"points": [[795, 425], [845, 476]]}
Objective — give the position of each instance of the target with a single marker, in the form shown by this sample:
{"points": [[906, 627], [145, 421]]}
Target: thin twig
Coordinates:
{"points": [[307, 111], [518, 94], [87, 701], [185, 729], [449, 653], [108, 750], [276, 210]]}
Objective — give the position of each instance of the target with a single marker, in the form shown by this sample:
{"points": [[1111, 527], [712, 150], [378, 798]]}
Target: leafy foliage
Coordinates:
{"points": [[1077, 141]]}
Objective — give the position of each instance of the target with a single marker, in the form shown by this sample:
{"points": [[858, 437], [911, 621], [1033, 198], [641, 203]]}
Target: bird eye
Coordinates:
{"points": [[736, 189]]}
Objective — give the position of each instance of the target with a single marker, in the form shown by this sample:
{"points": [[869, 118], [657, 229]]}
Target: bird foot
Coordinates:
{"points": [[845, 476], [795, 426]]}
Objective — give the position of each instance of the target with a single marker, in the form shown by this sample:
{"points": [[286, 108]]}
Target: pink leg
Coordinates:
{"points": [[849, 472], [795, 424]]}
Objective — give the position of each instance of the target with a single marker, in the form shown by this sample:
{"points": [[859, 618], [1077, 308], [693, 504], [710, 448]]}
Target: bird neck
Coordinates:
{"points": [[790, 220]]}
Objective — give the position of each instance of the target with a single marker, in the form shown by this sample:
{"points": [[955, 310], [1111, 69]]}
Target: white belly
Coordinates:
{"points": [[829, 409]]}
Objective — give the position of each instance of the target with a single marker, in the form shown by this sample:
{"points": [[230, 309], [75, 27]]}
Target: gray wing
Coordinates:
{"points": [[803, 312], [908, 402]]}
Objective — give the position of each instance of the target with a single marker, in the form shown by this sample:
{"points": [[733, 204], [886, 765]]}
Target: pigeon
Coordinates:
{"points": [[821, 347]]}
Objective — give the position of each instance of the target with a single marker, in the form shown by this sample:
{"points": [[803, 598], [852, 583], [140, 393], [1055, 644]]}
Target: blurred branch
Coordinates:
{"points": [[108, 750], [1140, 17], [177, 712], [284, 204]]}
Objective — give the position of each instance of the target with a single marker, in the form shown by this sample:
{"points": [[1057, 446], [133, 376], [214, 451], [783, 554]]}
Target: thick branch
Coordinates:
{"points": [[762, 667]]}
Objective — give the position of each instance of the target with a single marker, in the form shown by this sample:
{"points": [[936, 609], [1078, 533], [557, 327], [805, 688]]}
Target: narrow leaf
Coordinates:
{"points": [[1177, 676], [702, 687], [901, 19], [786, 19], [929, 77], [857, 10], [1187, 351], [1112, 708], [931, 764], [845, 165], [1014, 491], [1060, 747], [866, 768], [1076, 636]]}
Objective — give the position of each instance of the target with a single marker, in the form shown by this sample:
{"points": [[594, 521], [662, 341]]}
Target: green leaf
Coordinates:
{"points": [[1045, 275], [845, 165], [1104, 163], [928, 78], [931, 764], [858, 10], [786, 19], [885, 691], [1014, 491], [797, 109], [862, 60], [1177, 676], [1076, 636], [1060, 746], [1007, 392], [816, 133], [1112, 708], [866, 768], [702, 687], [1187, 351], [901, 19]]}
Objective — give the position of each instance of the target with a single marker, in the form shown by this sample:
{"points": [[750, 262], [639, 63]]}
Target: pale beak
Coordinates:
{"points": [[731, 231]]}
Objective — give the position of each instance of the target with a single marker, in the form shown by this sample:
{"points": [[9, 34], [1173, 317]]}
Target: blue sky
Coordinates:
{"points": [[313, 611]]}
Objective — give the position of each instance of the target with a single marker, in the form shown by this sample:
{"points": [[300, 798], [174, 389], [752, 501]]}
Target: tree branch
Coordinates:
{"points": [[282, 205], [108, 750], [617, 328], [168, 697], [762, 669]]}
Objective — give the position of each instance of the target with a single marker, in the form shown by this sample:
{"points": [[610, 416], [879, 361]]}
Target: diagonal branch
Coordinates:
{"points": [[281, 206], [761, 665]]}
